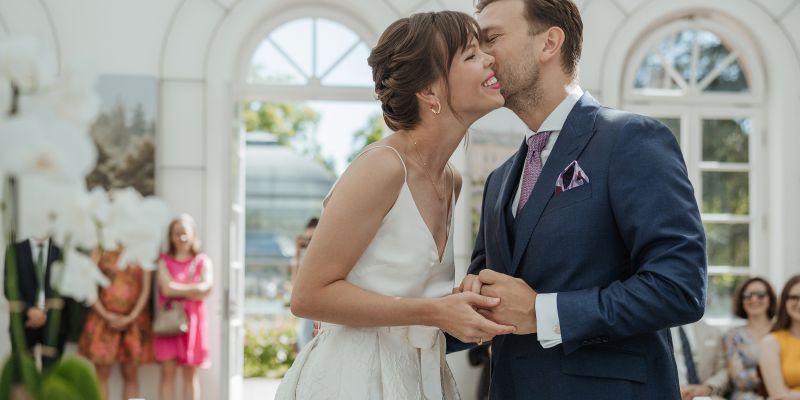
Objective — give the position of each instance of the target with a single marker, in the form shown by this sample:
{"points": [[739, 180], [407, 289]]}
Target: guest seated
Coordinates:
{"points": [[700, 358], [755, 301], [780, 350]]}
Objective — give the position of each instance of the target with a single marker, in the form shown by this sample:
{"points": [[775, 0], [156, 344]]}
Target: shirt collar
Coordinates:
{"points": [[555, 121], [45, 242]]}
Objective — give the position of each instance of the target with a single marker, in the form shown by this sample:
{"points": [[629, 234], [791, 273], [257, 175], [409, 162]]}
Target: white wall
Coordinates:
{"points": [[194, 48]]}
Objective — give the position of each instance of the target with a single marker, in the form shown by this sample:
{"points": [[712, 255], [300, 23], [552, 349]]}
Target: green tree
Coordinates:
{"points": [[370, 133], [139, 121], [292, 124], [138, 168], [287, 121], [119, 128]]}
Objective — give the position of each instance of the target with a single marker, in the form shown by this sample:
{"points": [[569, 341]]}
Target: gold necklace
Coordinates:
{"points": [[439, 258], [439, 194]]}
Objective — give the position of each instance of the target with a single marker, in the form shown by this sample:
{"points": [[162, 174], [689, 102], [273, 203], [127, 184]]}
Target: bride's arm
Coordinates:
{"points": [[363, 196]]}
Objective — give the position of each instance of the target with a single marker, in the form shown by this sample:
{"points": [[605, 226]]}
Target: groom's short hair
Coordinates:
{"points": [[543, 14]]}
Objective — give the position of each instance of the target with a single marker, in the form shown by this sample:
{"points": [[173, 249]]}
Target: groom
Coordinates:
{"points": [[590, 235]]}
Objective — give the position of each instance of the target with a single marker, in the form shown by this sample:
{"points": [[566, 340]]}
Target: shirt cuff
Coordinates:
{"points": [[548, 328]]}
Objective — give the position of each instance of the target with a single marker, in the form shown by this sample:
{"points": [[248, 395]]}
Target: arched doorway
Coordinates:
{"points": [[304, 80]]}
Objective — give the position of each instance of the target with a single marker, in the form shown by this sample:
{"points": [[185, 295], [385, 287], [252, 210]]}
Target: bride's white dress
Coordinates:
{"points": [[403, 363]]}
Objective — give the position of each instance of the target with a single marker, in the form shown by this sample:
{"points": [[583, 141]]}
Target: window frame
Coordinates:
{"points": [[691, 107], [314, 89], [729, 34]]}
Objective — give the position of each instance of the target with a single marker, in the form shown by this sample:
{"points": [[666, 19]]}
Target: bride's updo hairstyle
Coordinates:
{"points": [[411, 54]]}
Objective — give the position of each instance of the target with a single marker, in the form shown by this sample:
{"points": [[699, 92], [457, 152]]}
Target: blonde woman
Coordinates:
{"points": [[184, 275]]}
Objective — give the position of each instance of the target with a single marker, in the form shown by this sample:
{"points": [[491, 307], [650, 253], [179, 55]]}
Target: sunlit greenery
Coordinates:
{"points": [[370, 133], [269, 347], [292, 123], [720, 291]]}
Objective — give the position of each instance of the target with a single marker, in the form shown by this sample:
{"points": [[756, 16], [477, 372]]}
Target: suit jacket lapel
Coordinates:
{"points": [[577, 130], [26, 274], [507, 191], [52, 257]]}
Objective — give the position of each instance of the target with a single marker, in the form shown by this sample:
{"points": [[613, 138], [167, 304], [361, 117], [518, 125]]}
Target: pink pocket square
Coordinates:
{"points": [[572, 177]]}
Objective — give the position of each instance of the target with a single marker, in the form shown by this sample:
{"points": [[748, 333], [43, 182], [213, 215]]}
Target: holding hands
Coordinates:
{"points": [[116, 321], [517, 305], [457, 316]]}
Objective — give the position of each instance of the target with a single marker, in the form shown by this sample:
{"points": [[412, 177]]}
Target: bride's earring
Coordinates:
{"points": [[437, 110]]}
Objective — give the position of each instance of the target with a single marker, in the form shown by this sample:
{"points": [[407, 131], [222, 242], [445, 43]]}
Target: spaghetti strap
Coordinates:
{"points": [[405, 170]]}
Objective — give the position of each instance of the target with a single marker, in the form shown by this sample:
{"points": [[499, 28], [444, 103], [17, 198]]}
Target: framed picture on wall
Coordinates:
{"points": [[125, 133]]}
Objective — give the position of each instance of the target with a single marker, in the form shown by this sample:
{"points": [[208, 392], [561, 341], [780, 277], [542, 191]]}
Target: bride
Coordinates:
{"points": [[379, 272]]}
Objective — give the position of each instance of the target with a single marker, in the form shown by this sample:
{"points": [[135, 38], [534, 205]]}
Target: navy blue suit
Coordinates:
{"points": [[625, 252]]}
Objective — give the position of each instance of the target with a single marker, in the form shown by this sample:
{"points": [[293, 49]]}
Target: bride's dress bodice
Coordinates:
{"points": [[406, 362]]}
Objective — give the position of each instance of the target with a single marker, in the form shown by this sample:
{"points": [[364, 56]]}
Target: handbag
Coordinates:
{"points": [[170, 317]]}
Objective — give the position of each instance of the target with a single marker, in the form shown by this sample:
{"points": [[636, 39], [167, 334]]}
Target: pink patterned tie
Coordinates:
{"points": [[533, 166]]}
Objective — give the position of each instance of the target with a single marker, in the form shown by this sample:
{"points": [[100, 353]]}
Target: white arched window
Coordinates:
{"points": [[303, 57], [701, 76], [313, 57]]}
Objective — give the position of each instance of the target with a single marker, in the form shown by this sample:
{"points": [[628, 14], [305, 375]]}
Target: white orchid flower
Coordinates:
{"points": [[31, 144], [76, 276], [41, 200], [99, 204], [22, 60], [137, 224], [71, 99], [78, 221]]}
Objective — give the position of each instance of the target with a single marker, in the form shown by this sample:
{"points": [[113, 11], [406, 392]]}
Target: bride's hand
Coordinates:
{"points": [[456, 315], [470, 283]]}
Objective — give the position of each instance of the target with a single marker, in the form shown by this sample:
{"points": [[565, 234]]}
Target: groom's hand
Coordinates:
{"points": [[517, 301], [456, 315]]}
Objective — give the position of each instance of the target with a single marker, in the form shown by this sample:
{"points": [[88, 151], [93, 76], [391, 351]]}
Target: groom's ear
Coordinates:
{"points": [[553, 41]]}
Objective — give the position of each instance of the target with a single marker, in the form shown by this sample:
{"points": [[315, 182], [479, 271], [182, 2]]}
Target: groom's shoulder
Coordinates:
{"points": [[623, 122], [614, 118]]}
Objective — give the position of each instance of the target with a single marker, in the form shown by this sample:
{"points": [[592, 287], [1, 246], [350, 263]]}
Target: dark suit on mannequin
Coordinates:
{"points": [[28, 286]]}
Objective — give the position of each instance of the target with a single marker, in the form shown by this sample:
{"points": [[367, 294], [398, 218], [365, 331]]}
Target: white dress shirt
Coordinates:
{"points": [[40, 298], [547, 322]]}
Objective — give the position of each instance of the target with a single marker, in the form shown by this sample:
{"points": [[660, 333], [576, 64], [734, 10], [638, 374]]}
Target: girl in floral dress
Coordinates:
{"points": [[118, 329]]}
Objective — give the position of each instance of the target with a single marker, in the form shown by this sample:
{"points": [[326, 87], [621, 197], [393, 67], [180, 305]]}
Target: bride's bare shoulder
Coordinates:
{"points": [[375, 177]]}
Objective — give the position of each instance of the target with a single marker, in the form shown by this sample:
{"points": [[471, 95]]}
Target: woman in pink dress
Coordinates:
{"points": [[184, 274]]}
